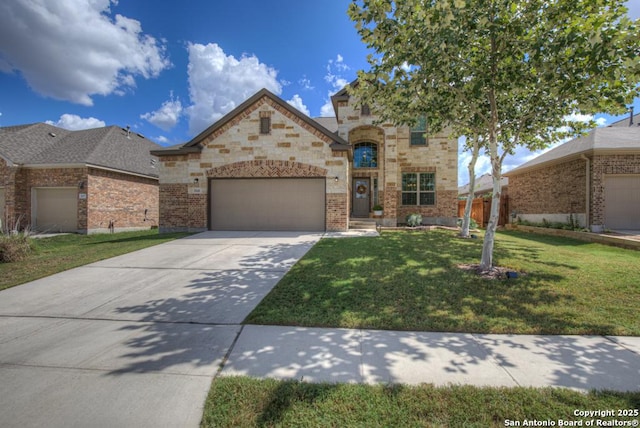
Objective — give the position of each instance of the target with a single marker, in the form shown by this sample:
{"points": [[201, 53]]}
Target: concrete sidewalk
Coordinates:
{"points": [[374, 356]]}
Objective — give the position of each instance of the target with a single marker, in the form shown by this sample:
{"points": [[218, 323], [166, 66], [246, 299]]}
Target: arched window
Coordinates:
{"points": [[365, 155]]}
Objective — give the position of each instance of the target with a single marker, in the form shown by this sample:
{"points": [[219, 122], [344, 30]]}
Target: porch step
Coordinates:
{"points": [[362, 224]]}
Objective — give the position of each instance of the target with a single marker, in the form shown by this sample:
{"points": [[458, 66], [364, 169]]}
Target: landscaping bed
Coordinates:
{"points": [[412, 281]]}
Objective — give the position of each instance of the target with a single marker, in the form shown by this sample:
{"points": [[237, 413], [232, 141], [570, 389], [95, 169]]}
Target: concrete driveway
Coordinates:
{"points": [[134, 340]]}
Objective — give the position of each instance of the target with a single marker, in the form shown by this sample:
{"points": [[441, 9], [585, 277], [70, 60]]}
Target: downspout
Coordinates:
{"points": [[587, 219]]}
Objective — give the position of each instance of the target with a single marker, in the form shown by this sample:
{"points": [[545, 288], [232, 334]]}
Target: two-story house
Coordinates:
{"points": [[267, 166]]}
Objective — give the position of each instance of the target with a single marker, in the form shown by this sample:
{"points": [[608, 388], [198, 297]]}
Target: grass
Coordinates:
{"points": [[410, 281], [59, 253], [245, 402]]}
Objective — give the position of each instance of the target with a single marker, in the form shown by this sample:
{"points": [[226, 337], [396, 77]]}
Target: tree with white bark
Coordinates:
{"points": [[510, 70]]}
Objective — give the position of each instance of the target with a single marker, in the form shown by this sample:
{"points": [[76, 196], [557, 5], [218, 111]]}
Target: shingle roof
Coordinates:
{"points": [[614, 139], [483, 184], [110, 147], [251, 100], [328, 122]]}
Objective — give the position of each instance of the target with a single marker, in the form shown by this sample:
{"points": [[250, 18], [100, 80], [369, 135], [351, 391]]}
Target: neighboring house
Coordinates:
{"points": [[595, 178], [267, 166], [483, 187], [55, 180]]}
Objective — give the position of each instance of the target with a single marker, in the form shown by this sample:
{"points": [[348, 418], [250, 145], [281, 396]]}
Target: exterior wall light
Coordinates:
{"points": [[336, 179]]}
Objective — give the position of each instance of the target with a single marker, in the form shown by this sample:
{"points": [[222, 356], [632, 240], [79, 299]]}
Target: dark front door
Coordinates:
{"points": [[361, 192]]}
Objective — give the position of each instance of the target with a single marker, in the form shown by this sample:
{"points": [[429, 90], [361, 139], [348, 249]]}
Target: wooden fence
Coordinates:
{"points": [[481, 209]]}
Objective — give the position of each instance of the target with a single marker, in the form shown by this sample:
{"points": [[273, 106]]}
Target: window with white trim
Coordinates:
{"points": [[419, 188]]}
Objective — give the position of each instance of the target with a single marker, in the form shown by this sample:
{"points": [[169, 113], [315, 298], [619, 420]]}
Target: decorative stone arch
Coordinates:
{"points": [[266, 168], [367, 133]]}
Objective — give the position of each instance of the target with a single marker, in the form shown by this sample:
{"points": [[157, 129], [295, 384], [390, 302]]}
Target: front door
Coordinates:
{"points": [[361, 193]]}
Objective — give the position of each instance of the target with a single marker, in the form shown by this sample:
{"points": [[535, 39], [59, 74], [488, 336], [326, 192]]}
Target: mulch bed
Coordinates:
{"points": [[496, 272]]}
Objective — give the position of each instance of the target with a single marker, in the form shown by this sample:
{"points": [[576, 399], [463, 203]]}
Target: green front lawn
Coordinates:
{"points": [[244, 402], [59, 253], [411, 281]]}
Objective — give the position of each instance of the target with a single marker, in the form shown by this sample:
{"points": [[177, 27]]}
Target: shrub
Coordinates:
{"points": [[414, 220], [14, 247], [472, 223]]}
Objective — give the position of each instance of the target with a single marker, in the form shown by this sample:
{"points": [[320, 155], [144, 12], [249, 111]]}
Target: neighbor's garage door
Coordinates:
{"points": [[267, 204], [55, 209], [622, 202]]}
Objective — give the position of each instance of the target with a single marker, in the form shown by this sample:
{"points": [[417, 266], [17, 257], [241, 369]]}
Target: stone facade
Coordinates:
{"points": [[103, 196], [397, 156], [237, 149], [297, 147]]}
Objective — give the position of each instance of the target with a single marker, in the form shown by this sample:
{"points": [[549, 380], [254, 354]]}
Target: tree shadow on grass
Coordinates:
{"points": [[410, 281]]}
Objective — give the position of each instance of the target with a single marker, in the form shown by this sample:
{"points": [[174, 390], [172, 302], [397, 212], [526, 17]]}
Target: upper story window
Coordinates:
{"points": [[365, 155], [265, 122], [419, 133], [365, 110], [265, 125]]}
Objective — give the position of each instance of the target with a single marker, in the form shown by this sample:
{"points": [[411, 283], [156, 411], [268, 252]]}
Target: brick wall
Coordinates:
{"points": [[174, 207], [337, 206], [121, 198], [552, 192]]}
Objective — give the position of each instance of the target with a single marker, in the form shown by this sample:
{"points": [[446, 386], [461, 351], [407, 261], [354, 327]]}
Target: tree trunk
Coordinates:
{"points": [[486, 262], [466, 219]]}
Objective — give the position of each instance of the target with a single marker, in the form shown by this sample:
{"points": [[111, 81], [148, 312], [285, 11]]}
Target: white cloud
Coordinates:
{"points": [[296, 102], [305, 83], [74, 122], [219, 82], [161, 139], [167, 116], [78, 49], [336, 82]]}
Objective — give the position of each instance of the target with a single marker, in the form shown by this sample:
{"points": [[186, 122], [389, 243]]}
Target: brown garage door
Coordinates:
{"points": [[267, 204], [622, 202], [55, 209]]}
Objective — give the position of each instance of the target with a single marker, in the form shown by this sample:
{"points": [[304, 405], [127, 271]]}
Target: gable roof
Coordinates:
{"points": [[112, 147], [608, 139], [194, 145], [483, 184]]}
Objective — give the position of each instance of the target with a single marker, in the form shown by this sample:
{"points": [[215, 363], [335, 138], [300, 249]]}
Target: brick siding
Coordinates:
{"points": [[557, 189], [121, 198], [110, 196]]}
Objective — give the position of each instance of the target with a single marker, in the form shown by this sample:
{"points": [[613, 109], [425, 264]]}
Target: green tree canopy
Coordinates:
{"points": [[511, 70]]}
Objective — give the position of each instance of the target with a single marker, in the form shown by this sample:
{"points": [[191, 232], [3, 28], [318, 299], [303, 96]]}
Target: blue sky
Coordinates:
{"points": [[170, 68]]}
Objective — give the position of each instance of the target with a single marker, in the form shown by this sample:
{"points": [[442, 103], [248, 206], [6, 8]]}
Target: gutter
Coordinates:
{"points": [[588, 190]]}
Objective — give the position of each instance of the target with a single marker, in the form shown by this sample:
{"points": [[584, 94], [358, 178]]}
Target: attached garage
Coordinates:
{"points": [[267, 204], [622, 201], [54, 209]]}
